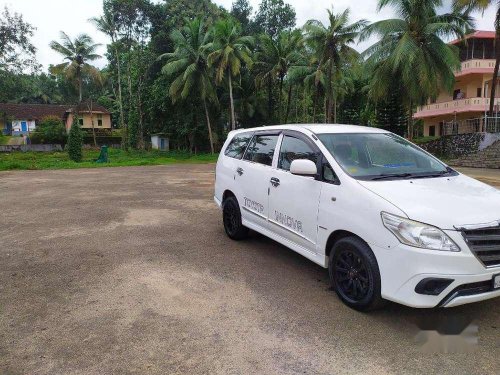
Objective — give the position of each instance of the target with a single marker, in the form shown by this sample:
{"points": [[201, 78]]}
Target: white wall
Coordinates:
{"points": [[16, 125]]}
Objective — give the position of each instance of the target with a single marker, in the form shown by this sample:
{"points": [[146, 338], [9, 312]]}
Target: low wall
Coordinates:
{"points": [[455, 146], [26, 148]]}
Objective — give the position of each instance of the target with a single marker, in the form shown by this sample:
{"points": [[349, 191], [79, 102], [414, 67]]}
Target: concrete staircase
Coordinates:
{"points": [[486, 158]]}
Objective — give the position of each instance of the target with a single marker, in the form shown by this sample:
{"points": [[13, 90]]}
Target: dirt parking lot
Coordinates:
{"points": [[128, 271]]}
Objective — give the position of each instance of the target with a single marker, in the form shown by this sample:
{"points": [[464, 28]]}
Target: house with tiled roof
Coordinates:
{"points": [[19, 119]]}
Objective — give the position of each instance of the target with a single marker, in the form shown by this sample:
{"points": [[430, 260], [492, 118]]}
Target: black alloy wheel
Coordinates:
{"points": [[354, 274], [231, 216]]}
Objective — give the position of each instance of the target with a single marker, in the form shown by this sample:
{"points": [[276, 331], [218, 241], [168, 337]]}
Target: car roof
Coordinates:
{"points": [[319, 128]]}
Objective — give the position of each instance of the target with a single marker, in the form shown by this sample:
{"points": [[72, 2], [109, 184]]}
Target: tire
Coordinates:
{"points": [[231, 216], [354, 274]]}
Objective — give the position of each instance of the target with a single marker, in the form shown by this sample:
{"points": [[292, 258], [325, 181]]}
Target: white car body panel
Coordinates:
{"points": [[355, 206]]}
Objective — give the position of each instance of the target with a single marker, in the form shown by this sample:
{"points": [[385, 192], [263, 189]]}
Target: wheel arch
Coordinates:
{"points": [[338, 235], [228, 193]]}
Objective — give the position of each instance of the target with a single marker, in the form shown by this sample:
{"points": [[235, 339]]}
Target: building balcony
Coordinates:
{"points": [[454, 106], [476, 66]]}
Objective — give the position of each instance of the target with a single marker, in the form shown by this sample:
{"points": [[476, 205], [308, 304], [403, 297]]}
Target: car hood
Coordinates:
{"points": [[445, 202]]}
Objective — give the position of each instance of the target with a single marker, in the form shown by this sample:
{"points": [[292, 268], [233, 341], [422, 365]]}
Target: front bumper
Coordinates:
{"points": [[402, 268]]}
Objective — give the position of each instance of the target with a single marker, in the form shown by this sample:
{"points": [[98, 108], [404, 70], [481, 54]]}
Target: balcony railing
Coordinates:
{"points": [[477, 64], [458, 105], [475, 125]]}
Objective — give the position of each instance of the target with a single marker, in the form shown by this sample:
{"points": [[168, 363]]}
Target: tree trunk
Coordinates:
{"points": [[329, 93], [335, 110], [270, 100], [410, 122], [497, 63], [209, 127], [140, 132], [233, 119], [92, 122], [129, 80], [315, 104], [80, 96], [288, 103], [120, 97], [279, 99]]}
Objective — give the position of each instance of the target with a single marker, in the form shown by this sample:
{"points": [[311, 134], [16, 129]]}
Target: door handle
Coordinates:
{"points": [[275, 181], [239, 171]]}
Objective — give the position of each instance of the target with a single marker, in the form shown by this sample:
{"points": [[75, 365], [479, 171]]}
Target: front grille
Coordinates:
{"points": [[485, 244]]}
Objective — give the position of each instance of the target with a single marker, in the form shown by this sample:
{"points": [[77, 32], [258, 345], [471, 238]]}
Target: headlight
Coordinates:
{"points": [[417, 234]]}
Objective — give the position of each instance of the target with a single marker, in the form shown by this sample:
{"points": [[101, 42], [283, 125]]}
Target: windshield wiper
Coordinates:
{"points": [[392, 175], [430, 175]]}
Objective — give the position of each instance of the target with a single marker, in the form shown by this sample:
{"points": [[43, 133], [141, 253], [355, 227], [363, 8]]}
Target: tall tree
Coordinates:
{"points": [[231, 50], [411, 51], [106, 25], [77, 53], [17, 53], [274, 58], [241, 10], [481, 5], [332, 44], [274, 16], [187, 65]]}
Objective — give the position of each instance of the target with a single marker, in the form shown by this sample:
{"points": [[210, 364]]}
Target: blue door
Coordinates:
{"points": [[162, 144], [24, 126]]}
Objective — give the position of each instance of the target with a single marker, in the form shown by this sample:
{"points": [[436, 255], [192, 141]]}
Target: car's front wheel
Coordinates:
{"points": [[354, 274], [231, 216]]}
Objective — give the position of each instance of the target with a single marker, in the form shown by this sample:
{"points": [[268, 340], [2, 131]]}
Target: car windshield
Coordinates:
{"points": [[378, 156]]}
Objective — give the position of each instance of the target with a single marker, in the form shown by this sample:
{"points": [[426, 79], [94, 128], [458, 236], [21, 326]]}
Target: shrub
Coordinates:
{"points": [[75, 142], [50, 130]]}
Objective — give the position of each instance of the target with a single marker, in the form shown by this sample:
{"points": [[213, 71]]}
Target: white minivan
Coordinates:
{"points": [[388, 220]]}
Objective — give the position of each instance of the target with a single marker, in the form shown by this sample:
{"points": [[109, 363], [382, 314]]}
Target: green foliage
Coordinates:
{"points": [[75, 140], [49, 131], [17, 53], [241, 10], [118, 158], [273, 17]]}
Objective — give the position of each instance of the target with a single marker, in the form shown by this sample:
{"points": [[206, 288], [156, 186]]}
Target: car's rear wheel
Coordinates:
{"points": [[231, 216], [354, 274]]}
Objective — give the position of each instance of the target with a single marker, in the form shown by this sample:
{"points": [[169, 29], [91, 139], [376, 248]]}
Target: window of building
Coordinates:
{"points": [[479, 92], [99, 120], [261, 149], [432, 131], [293, 149], [80, 121], [238, 145]]}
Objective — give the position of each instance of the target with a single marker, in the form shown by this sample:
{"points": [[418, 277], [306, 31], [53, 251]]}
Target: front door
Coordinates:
{"points": [[24, 126], [252, 178], [294, 200]]}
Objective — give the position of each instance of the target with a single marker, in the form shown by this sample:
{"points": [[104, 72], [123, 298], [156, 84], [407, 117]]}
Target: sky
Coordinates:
{"points": [[51, 16]]}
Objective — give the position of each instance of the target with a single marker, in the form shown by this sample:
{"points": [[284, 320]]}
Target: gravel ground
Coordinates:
{"points": [[128, 271]]}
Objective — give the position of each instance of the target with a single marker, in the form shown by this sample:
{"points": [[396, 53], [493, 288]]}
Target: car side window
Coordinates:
{"points": [[329, 174], [261, 149], [292, 149], [238, 145]]}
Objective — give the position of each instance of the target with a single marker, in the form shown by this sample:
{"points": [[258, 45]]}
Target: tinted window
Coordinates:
{"points": [[293, 149], [238, 145], [261, 149]]}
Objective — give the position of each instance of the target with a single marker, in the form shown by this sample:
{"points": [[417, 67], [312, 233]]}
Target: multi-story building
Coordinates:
{"points": [[466, 109]]}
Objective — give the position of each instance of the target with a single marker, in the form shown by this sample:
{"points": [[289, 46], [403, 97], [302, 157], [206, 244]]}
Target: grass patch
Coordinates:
{"points": [[4, 139], [421, 140], [117, 158]]}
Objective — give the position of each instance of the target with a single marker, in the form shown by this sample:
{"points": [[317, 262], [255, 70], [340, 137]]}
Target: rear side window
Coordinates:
{"points": [[261, 149], [292, 149], [238, 145]]}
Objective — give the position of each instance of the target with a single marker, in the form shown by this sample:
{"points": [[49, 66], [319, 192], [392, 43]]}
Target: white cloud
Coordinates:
{"points": [[52, 16]]}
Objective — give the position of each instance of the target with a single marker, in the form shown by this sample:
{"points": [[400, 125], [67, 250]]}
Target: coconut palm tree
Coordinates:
{"points": [[230, 50], [77, 53], [106, 25], [187, 66], [411, 51], [274, 58], [481, 5], [332, 44]]}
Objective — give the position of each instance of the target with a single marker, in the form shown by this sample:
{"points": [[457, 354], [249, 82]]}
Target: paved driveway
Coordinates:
{"points": [[128, 270]]}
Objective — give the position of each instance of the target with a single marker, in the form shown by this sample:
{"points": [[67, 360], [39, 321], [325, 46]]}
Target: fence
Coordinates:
{"points": [[475, 125]]}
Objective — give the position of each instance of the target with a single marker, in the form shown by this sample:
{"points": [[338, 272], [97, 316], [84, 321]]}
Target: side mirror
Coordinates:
{"points": [[304, 167]]}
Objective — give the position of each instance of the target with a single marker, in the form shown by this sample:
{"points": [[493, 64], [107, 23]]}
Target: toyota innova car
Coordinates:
{"points": [[388, 220]]}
